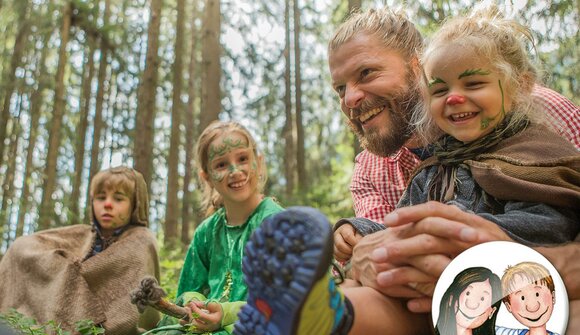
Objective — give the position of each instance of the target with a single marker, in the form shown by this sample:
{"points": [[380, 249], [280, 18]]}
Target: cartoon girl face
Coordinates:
{"points": [[474, 305]]}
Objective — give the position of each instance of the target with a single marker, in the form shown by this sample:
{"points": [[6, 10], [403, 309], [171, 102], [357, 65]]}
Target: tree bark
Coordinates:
{"points": [[8, 183], [15, 62], [210, 89], [300, 160], [36, 101], [172, 208], [47, 214], [288, 131], [85, 102], [188, 202], [145, 118], [95, 162]]}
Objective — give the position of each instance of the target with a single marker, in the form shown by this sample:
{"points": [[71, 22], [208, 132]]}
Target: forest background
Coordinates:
{"points": [[89, 84]]}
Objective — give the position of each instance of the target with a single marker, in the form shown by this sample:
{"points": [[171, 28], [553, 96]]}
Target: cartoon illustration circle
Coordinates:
{"points": [[502, 288]]}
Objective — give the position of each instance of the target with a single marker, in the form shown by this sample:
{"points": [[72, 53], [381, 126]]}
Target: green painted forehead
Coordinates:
{"points": [[473, 72], [227, 144]]}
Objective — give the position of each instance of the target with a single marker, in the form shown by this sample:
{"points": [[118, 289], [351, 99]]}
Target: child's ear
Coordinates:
{"points": [[507, 305], [203, 175], [527, 81]]}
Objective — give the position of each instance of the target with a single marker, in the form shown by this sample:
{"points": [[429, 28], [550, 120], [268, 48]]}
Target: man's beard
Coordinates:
{"points": [[399, 108]]}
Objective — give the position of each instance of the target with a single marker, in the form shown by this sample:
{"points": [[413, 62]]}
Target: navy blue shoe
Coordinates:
{"points": [[286, 267]]}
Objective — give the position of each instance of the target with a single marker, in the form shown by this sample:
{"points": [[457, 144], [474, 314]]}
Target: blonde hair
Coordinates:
{"points": [[114, 179], [212, 200], [531, 271], [500, 41], [391, 26]]}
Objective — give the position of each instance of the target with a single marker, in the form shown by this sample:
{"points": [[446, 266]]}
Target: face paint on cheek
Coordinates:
{"points": [[487, 120], [217, 176]]}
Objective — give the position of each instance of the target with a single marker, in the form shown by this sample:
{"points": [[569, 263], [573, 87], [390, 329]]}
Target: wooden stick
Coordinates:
{"points": [[151, 294]]}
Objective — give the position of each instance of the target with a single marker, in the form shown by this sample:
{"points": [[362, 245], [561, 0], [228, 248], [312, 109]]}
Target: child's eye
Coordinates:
{"points": [[474, 84], [537, 294], [467, 293], [439, 92], [523, 298]]}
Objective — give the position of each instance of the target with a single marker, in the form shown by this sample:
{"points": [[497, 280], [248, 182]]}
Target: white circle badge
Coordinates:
{"points": [[502, 288]]}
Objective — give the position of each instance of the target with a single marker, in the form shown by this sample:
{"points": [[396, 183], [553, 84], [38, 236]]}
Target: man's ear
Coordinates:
{"points": [[416, 67]]}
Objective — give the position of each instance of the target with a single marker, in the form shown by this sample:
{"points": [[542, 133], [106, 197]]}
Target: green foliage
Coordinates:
{"points": [[171, 262], [25, 325]]}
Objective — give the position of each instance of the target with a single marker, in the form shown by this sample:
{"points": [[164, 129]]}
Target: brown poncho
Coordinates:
{"points": [[46, 275]]}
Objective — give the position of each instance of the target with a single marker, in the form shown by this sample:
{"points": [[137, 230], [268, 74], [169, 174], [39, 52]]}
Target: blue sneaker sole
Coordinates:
{"points": [[284, 258]]}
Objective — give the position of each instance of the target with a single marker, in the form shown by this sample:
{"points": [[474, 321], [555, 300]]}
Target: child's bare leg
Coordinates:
{"points": [[375, 313]]}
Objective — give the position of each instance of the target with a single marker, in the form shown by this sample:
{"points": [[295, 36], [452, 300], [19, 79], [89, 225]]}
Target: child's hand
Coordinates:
{"points": [[345, 238], [205, 316]]}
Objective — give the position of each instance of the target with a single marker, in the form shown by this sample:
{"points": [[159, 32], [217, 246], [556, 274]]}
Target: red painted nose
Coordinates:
{"points": [[455, 100]]}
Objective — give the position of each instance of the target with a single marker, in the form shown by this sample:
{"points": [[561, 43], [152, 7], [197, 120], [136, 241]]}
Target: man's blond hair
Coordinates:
{"points": [[391, 26]]}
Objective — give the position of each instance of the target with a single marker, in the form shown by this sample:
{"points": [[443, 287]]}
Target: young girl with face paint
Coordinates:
{"points": [[492, 155], [470, 304], [233, 175]]}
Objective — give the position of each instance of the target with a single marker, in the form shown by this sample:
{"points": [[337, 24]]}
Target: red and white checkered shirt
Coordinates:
{"points": [[562, 114], [378, 182]]}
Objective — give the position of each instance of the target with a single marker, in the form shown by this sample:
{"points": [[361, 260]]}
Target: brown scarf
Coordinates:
{"points": [[451, 153]]}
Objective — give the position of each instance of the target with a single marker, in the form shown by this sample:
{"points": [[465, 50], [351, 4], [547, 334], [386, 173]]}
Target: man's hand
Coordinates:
{"points": [[345, 239]]}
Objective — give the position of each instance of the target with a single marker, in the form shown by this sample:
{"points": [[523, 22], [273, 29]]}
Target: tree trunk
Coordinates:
{"points": [[95, 162], [36, 101], [288, 131], [145, 118], [171, 212], [85, 102], [8, 184], [210, 89], [47, 214], [15, 62], [188, 202], [301, 168]]}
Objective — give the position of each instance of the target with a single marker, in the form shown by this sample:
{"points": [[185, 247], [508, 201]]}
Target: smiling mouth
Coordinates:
{"points": [[238, 184], [462, 116], [469, 317], [364, 117], [539, 317]]}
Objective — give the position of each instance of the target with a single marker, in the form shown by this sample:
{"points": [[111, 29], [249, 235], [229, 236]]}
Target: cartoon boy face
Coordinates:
{"points": [[474, 305], [531, 304]]}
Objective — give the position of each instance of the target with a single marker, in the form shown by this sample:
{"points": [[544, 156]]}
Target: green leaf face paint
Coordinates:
{"points": [[486, 121], [228, 144], [473, 72], [229, 156]]}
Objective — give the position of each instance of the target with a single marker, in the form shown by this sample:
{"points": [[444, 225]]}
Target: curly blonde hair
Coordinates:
{"points": [[500, 41]]}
